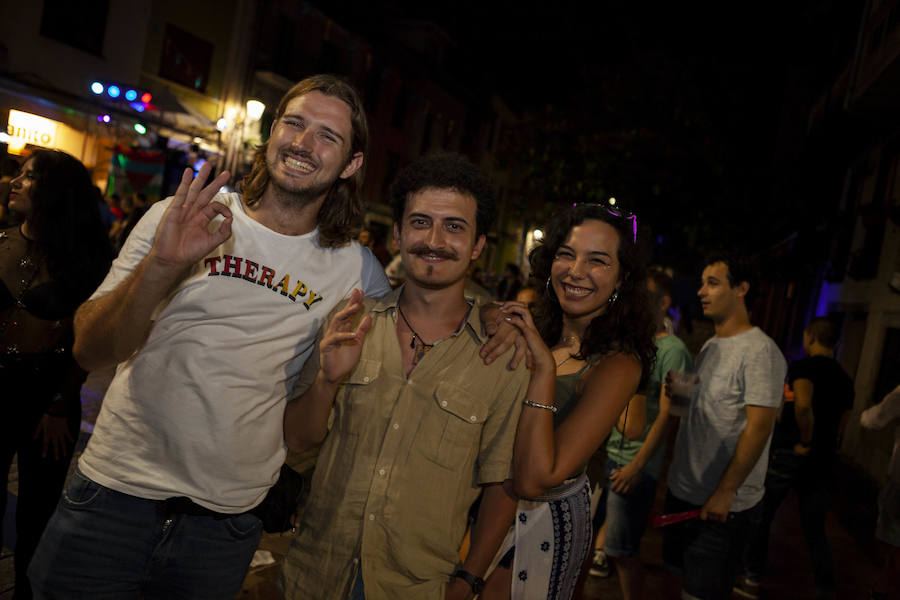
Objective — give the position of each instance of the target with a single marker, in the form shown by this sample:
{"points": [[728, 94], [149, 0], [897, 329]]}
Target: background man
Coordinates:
{"points": [[804, 448], [211, 329], [634, 465], [722, 446], [419, 425]]}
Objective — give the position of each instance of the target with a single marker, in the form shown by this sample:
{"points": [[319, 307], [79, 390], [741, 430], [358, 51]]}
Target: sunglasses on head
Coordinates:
{"points": [[615, 211]]}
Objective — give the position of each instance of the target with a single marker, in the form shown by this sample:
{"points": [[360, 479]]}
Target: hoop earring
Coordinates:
{"points": [[613, 297], [549, 290]]}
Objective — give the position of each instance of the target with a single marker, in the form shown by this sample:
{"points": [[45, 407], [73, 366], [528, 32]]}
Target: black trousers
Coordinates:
{"points": [[40, 479], [812, 483]]}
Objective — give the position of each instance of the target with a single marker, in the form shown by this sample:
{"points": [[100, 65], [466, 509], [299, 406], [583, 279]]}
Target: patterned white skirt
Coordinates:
{"points": [[552, 538]]}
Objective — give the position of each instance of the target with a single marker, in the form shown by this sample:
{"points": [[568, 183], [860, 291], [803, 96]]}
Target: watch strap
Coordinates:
{"points": [[474, 581]]}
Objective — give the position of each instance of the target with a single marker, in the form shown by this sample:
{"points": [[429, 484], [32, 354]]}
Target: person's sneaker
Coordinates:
{"points": [[747, 587], [599, 566]]}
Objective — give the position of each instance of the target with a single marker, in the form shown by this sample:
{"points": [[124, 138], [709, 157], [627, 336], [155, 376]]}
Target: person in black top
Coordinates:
{"points": [[804, 448], [48, 266]]}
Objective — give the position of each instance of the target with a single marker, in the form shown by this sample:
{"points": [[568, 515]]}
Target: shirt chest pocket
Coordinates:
{"points": [[451, 429], [358, 388]]}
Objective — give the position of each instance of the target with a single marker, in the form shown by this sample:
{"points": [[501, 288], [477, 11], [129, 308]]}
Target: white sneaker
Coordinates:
{"points": [[599, 566]]}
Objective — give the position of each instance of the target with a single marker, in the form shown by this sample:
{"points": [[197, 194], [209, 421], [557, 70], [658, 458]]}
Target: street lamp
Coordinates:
{"points": [[255, 109]]}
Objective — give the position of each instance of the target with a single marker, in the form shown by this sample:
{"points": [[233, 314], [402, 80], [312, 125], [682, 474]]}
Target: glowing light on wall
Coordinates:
{"points": [[26, 128]]}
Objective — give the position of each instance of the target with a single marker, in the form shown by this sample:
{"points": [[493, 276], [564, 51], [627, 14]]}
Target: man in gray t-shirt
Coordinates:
{"points": [[722, 447]]}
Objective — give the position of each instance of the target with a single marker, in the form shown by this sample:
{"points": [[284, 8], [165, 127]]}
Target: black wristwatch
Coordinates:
{"points": [[474, 581]]}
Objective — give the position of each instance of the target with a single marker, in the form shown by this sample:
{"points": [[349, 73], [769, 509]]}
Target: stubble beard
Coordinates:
{"points": [[301, 195]]}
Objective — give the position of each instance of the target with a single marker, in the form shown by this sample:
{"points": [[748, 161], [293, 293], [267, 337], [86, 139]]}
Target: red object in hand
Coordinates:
{"points": [[663, 520]]}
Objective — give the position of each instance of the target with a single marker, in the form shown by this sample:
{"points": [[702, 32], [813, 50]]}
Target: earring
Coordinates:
{"points": [[548, 290], [613, 297]]}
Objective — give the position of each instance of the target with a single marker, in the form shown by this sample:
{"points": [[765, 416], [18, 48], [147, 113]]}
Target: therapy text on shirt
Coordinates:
{"points": [[231, 266]]}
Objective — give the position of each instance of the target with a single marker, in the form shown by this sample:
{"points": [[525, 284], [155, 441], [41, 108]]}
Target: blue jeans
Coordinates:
{"points": [[103, 544], [626, 514], [708, 553]]}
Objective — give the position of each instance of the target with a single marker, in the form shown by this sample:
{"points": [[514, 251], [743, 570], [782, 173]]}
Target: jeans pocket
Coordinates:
{"points": [[243, 526], [81, 491]]}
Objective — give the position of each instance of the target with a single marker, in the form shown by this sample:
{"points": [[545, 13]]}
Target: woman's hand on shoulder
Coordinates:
{"points": [[518, 314]]}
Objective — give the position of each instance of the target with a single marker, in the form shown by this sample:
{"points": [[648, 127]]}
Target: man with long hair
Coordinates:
{"points": [[211, 309]]}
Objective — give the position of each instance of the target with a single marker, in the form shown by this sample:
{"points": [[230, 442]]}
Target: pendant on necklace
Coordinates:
{"points": [[420, 349]]}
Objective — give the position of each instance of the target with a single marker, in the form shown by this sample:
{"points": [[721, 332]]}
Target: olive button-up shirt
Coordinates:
{"points": [[402, 464]]}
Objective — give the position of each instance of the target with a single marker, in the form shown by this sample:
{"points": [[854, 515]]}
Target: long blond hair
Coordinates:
{"points": [[341, 215]]}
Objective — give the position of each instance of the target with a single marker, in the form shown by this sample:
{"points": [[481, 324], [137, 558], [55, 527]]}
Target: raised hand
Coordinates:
{"points": [[183, 235], [502, 336], [341, 345], [519, 315]]}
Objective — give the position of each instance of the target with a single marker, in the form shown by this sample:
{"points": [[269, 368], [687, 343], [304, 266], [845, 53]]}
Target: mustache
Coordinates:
{"points": [[422, 249]]}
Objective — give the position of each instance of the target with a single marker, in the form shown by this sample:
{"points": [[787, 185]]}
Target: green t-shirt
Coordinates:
{"points": [[671, 355]]}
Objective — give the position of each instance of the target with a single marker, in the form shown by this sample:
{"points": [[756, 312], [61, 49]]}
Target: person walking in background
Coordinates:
{"points": [[48, 266], [592, 342], [721, 450], [804, 449], [634, 465], [887, 412]]}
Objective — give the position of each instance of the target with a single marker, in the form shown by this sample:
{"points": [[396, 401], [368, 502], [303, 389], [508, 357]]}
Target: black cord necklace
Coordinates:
{"points": [[419, 349]]}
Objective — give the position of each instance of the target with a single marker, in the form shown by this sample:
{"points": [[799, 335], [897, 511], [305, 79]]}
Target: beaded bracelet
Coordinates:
{"points": [[552, 409]]}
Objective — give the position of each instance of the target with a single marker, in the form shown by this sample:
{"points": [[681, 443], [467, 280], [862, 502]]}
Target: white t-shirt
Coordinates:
{"points": [[880, 416], [734, 371], [198, 410]]}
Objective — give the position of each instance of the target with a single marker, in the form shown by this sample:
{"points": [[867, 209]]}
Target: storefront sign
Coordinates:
{"points": [[26, 128]]}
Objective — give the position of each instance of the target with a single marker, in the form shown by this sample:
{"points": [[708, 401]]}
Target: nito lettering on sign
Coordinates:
{"points": [[31, 129]]}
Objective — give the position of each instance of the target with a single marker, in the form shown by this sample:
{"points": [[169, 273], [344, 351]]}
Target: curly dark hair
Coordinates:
{"points": [[65, 219], [445, 170], [628, 325], [341, 216]]}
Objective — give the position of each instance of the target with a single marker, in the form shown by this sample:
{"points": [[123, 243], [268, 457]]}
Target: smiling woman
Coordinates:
{"points": [[592, 342]]}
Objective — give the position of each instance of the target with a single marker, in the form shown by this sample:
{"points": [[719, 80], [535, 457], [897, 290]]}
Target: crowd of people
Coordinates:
{"points": [[250, 322]]}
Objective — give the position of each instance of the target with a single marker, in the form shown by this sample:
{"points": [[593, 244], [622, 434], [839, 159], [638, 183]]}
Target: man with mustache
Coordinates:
{"points": [[211, 309], [414, 425]]}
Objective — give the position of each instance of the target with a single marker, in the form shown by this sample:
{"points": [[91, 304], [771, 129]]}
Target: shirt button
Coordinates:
{"points": [[473, 418], [443, 403], [381, 472], [396, 425], [371, 517], [365, 380]]}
